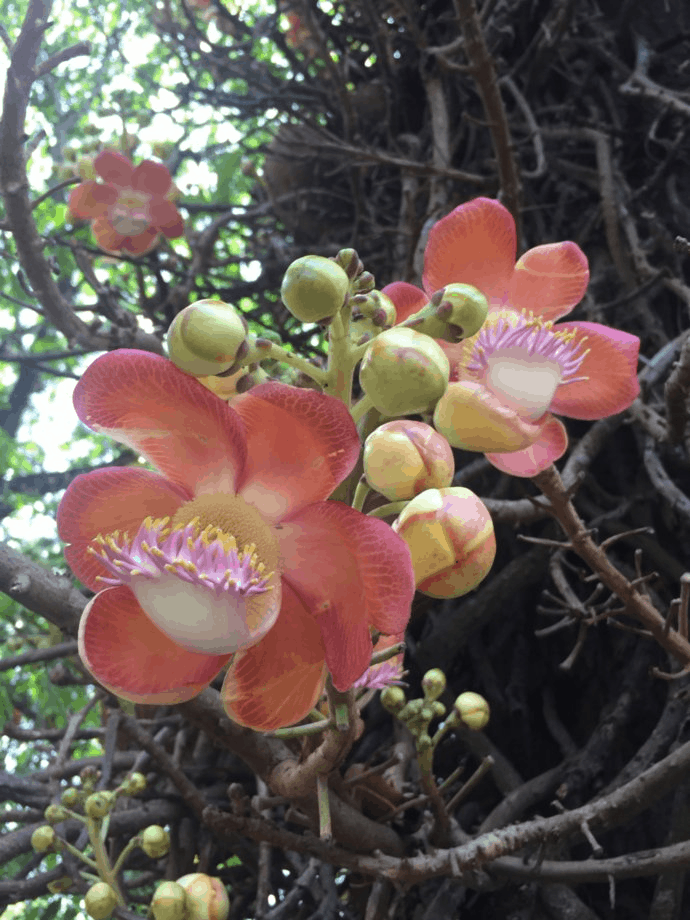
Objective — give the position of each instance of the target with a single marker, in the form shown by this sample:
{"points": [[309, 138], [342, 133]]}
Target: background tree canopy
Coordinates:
{"points": [[311, 126]]}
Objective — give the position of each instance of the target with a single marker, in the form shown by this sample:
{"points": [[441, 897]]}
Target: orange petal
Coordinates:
{"points": [[551, 445], [130, 656], [106, 500], [352, 572], [475, 244], [407, 298], [114, 167], [140, 399], [611, 371], [165, 217], [277, 682], [91, 199], [301, 445], [549, 280], [472, 418], [107, 236], [150, 177], [141, 243]]}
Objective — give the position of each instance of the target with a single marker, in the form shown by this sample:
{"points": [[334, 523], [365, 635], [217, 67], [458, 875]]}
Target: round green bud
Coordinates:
{"points": [[314, 288], [433, 684], [169, 902], [100, 900], [393, 699], [404, 372], [439, 709], [70, 797], [375, 306], [454, 313], [473, 710], [206, 897], [134, 784], [205, 337], [155, 841], [43, 839], [98, 804], [54, 814]]}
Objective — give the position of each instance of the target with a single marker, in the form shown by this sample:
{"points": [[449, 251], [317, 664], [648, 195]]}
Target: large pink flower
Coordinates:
{"points": [[130, 208], [230, 552], [519, 368]]}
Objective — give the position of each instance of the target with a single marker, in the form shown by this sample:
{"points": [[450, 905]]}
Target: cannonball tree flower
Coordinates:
{"points": [[229, 553], [130, 208], [522, 366]]}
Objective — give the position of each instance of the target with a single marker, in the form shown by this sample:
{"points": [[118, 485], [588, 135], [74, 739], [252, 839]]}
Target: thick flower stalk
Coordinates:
{"points": [[509, 378], [130, 208], [230, 553]]}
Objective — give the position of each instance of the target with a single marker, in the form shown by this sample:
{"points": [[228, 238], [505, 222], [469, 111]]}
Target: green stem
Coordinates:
{"points": [[387, 510], [132, 845], [299, 731], [75, 852], [360, 408], [291, 358], [325, 827], [101, 857], [361, 493]]}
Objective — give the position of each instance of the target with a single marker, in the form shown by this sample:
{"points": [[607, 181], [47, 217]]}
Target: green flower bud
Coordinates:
{"points": [[314, 288], [439, 709], [433, 684], [350, 262], [54, 814], [169, 902], [205, 337], [134, 784], [404, 372], [364, 283], [473, 710], [454, 313], [206, 897], [43, 839], [70, 797], [411, 711], [403, 458], [155, 841], [100, 901], [376, 306], [99, 804], [393, 699]]}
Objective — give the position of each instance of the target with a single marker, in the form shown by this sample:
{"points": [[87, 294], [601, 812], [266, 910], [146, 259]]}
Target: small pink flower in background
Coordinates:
{"points": [[130, 208], [508, 379], [230, 553]]}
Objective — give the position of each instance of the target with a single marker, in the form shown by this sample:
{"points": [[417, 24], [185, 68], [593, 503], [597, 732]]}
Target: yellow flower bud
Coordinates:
{"points": [[451, 539], [169, 902], [205, 337], [206, 897], [43, 839], [404, 372], [473, 710], [155, 841], [100, 901], [70, 797], [454, 313], [393, 699], [134, 784], [55, 813], [314, 288], [403, 458], [98, 804], [433, 684]]}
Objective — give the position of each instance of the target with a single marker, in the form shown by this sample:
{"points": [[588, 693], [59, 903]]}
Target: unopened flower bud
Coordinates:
{"points": [[55, 813], [155, 841], [393, 699], [404, 372], [98, 804], [451, 539], [134, 784], [70, 797], [375, 306], [60, 885], [433, 684], [403, 458], [169, 902], [43, 839], [473, 710], [439, 709], [205, 337], [454, 313], [350, 262], [364, 283], [314, 288], [100, 900], [206, 897]]}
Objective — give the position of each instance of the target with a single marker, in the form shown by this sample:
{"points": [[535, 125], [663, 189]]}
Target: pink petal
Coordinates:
{"points": [[475, 244], [131, 657], [141, 243], [106, 500], [549, 280], [551, 445], [91, 199], [278, 681], [107, 236], [140, 399], [165, 217], [301, 445], [150, 177], [114, 167], [611, 369], [352, 572], [407, 298]]}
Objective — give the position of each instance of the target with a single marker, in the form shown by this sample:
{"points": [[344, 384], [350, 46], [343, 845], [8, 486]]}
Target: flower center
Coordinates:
{"points": [[128, 215], [201, 578], [522, 360]]}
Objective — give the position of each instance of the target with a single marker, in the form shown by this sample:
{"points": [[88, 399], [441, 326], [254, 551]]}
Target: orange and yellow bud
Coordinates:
{"points": [[205, 897], [451, 539], [403, 458]]}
